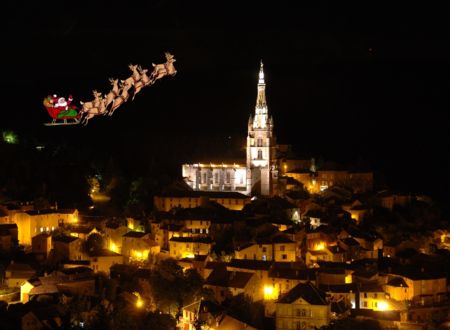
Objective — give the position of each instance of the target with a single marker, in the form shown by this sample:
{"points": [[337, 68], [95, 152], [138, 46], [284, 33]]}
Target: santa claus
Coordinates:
{"points": [[61, 103]]}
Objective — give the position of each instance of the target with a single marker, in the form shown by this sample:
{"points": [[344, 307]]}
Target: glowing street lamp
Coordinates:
{"points": [[383, 306], [269, 292], [139, 301]]}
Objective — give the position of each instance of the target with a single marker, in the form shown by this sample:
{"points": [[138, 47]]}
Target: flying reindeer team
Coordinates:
{"points": [[120, 91]]}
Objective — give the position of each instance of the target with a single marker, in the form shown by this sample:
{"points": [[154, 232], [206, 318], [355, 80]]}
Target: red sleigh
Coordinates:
{"points": [[62, 120]]}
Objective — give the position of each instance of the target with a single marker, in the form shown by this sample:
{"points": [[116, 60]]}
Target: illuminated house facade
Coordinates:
{"points": [[32, 223], [259, 175]]}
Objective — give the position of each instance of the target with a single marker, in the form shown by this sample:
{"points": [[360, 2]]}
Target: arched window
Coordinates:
{"points": [[260, 154], [259, 142]]}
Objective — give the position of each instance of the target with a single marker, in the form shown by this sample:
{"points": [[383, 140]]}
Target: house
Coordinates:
{"points": [[229, 322], [352, 248], [113, 236], [212, 316], [68, 247], [69, 281], [319, 238], [226, 283], [32, 223], [182, 247], [371, 296], [279, 248], [259, 267], [166, 232], [389, 199], [282, 279], [333, 275], [198, 262], [17, 274], [42, 244], [136, 246], [303, 307], [8, 237], [83, 231], [341, 292], [101, 261], [357, 210], [421, 286], [136, 224], [192, 199], [205, 311], [333, 253]]}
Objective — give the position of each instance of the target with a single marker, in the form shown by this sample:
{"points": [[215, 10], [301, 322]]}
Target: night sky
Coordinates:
{"points": [[344, 82]]}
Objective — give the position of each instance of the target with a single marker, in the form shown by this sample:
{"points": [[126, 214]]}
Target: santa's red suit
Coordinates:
{"points": [[61, 103]]}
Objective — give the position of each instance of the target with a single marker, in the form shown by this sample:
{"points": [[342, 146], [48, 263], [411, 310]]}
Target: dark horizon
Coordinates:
{"points": [[343, 82]]}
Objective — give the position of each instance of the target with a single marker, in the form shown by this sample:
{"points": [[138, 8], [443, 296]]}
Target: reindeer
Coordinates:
{"points": [[144, 81], [113, 93], [92, 112], [134, 78], [92, 104], [125, 85], [161, 70]]}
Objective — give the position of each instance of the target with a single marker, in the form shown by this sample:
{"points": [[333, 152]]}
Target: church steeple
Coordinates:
{"points": [[260, 120], [261, 145], [261, 98]]}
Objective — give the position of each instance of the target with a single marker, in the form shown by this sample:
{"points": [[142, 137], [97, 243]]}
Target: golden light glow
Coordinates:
{"points": [[188, 255], [320, 246], [270, 293], [139, 301], [130, 225], [348, 278], [383, 306], [113, 247], [140, 255]]}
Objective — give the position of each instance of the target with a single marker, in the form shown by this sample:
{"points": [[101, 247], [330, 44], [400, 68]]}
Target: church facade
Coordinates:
{"points": [[259, 174]]}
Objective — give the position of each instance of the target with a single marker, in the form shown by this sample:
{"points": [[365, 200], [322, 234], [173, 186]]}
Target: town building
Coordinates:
{"points": [[304, 307], [32, 223]]}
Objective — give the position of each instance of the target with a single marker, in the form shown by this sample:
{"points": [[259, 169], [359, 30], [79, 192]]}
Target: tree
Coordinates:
{"points": [[242, 307], [158, 321]]}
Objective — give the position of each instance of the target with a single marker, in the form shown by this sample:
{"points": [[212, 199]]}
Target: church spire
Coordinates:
{"points": [[261, 98]]}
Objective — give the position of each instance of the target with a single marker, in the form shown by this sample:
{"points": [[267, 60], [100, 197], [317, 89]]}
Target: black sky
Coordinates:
{"points": [[344, 81]]}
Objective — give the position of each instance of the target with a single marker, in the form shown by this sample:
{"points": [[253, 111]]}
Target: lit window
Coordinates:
{"points": [[42, 229]]}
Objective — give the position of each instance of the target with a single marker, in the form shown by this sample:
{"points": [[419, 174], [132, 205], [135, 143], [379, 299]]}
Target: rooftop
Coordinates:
{"points": [[307, 291], [230, 279]]}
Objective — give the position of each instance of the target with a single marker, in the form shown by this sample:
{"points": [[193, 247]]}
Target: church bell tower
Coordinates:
{"points": [[262, 172]]}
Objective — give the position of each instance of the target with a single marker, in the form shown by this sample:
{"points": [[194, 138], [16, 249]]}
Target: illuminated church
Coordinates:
{"points": [[259, 175]]}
